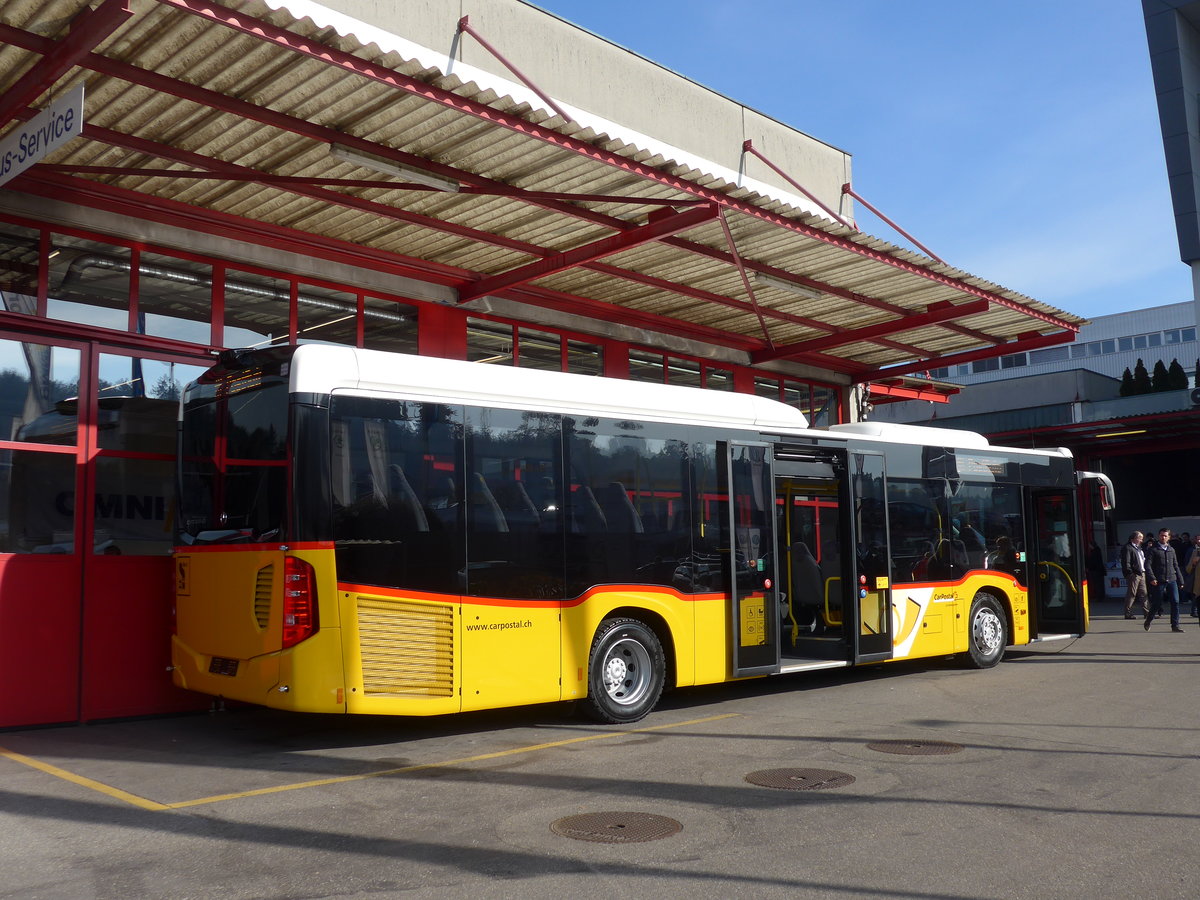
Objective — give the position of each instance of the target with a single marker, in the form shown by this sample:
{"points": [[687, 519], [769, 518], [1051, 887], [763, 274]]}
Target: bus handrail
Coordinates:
{"points": [[830, 619]]}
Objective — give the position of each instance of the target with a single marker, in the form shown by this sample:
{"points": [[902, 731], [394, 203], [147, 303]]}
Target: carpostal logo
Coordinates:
{"points": [[501, 626]]}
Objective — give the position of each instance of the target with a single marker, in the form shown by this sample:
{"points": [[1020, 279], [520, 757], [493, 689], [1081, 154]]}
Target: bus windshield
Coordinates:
{"points": [[233, 460]]}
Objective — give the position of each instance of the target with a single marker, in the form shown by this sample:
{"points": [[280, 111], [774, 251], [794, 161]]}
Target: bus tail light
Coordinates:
{"points": [[299, 601]]}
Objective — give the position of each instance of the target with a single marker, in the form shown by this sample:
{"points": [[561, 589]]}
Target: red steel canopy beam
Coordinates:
{"points": [[658, 228], [265, 31], [210, 164], [136, 205], [937, 312], [264, 178], [1028, 341], [123, 201], [143, 145], [88, 29], [895, 392], [737, 258]]}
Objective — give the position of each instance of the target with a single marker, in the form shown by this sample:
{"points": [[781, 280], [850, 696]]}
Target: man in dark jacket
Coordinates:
{"points": [[1133, 567], [1164, 577]]}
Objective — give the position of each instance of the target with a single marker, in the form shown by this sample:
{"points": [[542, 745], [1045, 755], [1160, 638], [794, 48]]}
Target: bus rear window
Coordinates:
{"points": [[233, 463]]}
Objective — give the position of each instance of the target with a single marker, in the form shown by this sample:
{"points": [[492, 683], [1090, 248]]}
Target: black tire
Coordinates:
{"points": [[987, 632], [626, 672]]}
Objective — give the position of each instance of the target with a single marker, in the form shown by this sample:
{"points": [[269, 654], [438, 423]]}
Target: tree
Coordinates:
{"points": [[1160, 381], [1176, 377], [167, 388], [1127, 388], [1141, 379]]}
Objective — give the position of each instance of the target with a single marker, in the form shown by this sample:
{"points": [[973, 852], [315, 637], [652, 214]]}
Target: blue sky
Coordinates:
{"points": [[1017, 139]]}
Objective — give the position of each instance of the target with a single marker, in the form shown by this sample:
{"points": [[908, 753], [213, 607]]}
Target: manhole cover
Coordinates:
{"points": [[915, 748], [800, 779], [616, 827]]}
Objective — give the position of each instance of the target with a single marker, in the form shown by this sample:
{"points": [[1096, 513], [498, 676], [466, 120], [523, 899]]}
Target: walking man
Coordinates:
{"points": [[1133, 567], [1165, 578]]}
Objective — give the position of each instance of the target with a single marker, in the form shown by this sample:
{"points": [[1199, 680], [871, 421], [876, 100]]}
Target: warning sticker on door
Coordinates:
{"points": [[183, 576], [753, 622]]}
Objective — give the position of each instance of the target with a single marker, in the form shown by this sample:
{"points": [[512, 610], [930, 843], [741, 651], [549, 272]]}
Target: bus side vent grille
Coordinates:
{"points": [[262, 595], [407, 648]]}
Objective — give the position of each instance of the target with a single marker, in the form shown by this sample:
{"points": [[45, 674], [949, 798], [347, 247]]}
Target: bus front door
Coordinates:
{"points": [[1055, 572], [750, 559]]}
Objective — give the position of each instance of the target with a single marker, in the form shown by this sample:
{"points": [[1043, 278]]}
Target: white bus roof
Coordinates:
{"points": [[330, 368], [325, 369]]}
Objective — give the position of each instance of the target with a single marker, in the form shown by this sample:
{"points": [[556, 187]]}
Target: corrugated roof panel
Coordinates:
{"points": [[208, 55]]}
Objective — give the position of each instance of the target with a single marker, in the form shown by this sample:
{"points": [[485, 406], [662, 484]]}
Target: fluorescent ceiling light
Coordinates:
{"points": [[395, 169], [790, 287], [1121, 433]]}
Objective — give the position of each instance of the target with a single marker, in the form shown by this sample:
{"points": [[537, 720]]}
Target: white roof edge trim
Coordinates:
{"points": [[896, 432], [387, 41], [325, 369]]}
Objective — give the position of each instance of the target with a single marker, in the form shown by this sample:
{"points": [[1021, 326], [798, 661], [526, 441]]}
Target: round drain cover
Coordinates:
{"points": [[800, 779], [616, 827], [915, 748]]}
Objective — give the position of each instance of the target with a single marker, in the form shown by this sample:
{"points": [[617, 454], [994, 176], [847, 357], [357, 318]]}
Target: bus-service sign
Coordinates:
{"points": [[32, 141]]}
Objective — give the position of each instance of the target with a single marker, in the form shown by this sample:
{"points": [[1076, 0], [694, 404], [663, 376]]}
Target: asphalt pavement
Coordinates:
{"points": [[1070, 770]]}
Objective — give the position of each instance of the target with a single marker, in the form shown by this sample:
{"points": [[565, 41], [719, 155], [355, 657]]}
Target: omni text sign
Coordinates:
{"points": [[32, 141]]}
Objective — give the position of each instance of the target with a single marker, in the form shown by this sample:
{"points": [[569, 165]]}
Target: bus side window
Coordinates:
{"points": [[394, 499], [514, 548]]}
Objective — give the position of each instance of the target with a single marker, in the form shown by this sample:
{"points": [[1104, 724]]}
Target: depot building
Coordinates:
{"points": [[474, 180]]}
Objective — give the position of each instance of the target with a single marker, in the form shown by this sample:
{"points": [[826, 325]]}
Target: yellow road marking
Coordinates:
{"points": [[143, 803], [89, 783]]}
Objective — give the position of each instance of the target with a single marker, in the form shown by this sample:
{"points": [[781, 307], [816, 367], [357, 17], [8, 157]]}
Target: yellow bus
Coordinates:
{"points": [[369, 532]]}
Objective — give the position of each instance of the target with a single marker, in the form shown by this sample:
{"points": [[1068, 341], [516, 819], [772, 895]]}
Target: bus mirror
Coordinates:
{"points": [[1108, 497]]}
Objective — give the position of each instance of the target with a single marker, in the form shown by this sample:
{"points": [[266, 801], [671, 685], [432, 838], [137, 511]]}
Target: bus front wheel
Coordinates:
{"points": [[987, 632], [626, 671]]}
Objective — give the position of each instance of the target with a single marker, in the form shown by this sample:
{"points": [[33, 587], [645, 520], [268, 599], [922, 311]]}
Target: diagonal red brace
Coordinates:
{"points": [[953, 359], [748, 147], [464, 26], [88, 29], [933, 315], [846, 189], [656, 229]]}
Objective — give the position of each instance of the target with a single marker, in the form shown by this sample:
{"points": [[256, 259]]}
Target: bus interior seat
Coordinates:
{"points": [[443, 506], [516, 504], [483, 512], [806, 587], [619, 511], [586, 515], [402, 502]]}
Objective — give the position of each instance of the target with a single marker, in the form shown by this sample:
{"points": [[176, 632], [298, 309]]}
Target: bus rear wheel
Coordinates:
{"points": [[987, 632], [626, 671]]}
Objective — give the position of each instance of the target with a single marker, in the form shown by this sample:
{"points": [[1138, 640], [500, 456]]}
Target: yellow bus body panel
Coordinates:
{"points": [[929, 620], [229, 630], [511, 653], [712, 640]]}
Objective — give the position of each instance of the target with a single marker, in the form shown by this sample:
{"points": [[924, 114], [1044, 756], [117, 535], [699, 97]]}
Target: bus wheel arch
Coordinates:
{"points": [[989, 629], [627, 669]]}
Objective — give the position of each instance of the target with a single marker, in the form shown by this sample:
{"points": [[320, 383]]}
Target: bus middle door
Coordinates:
{"points": [[750, 558]]}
